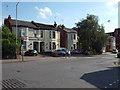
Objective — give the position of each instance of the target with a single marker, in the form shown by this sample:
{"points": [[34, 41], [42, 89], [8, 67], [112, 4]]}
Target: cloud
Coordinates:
{"points": [[57, 14], [37, 8], [112, 5], [42, 15], [44, 12]]}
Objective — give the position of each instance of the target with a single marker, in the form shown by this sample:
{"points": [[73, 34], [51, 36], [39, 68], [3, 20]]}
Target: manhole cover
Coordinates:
{"points": [[12, 83]]}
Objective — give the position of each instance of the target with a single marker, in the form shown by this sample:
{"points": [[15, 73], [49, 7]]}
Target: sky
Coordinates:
{"points": [[67, 13]]}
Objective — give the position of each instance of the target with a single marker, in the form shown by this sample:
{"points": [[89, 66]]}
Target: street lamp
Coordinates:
{"points": [[106, 22], [103, 26], [16, 27]]}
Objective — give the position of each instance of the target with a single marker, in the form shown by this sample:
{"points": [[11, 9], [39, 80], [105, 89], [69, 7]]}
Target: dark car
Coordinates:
{"points": [[76, 51], [118, 55], [31, 53], [59, 52]]}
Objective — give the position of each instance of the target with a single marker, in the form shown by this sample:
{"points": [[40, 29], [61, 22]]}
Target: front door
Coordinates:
{"points": [[41, 46], [35, 46]]}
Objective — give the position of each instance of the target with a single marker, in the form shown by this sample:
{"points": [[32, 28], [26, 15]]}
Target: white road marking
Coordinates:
{"points": [[117, 80], [105, 87], [110, 84], [114, 82]]}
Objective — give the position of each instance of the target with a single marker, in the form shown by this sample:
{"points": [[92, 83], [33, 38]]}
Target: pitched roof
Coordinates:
{"points": [[117, 28], [110, 33], [43, 26], [22, 23], [69, 30]]}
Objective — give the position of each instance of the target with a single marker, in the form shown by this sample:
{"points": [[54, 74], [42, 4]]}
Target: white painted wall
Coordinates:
{"points": [[29, 37], [72, 41]]}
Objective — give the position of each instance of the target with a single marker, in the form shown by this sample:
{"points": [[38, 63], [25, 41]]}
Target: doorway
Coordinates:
{"points": [[35, 46], [41, 46]]}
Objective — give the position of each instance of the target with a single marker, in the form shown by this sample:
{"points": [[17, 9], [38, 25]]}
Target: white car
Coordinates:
{"points": [[114, 51]]}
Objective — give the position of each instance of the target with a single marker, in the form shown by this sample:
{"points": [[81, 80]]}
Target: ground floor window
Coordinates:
{"points": [[74, 46], [54, 45], [50, 45], [24, 45]]}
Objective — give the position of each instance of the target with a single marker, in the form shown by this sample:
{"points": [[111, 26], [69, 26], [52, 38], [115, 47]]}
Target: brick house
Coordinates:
{"points": [[117, 38], [111, 41], [68, 38], [114, 40]]}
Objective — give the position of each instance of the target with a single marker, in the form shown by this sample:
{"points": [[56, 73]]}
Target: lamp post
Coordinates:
{"points": [[16, 27], [103, 25], [106, 22]]}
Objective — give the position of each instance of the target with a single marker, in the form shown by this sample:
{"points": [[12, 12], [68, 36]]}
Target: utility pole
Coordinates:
{"points": [[16, 27]]}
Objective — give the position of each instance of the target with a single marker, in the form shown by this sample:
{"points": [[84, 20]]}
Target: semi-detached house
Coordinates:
{"points": [[41, 37], [68, 38]]}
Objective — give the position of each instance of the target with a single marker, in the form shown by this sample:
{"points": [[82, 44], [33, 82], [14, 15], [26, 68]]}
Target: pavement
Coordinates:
{"points": [[40, 56]]}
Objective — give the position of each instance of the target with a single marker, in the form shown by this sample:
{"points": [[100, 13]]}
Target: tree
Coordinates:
{"points": [[60, 26], [9, 46], [91, 35]]}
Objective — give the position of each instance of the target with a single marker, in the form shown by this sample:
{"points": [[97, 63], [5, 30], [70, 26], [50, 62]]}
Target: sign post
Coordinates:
{"points": [[22, 53], [22, 48]]}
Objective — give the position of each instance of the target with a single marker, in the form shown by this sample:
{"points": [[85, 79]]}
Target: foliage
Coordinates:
{"points": [[60, 26], [9, 46], [91, 35]]}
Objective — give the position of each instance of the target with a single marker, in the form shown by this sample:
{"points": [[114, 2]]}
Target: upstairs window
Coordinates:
{"points": [[35, 33], [24, 32], [50, 34], [71, 37], [41, 34], [53, 34], [74, 37]]}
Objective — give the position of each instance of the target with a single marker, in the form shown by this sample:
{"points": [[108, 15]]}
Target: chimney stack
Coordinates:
{"points": [[63, 26], [9, 18], [55, 25]]}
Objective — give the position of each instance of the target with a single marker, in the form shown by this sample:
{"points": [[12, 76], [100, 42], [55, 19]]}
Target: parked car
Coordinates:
{"points": [[76, 51], [59, 52], [114, 51], [31, 53], [118, 55]]}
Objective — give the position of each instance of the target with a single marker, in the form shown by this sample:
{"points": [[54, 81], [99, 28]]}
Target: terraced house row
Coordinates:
{"points": [[42, 37]]}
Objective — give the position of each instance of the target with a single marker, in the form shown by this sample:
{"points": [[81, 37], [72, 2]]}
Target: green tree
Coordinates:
{"points": [[9, 46], [91, 35], [60, 26]]}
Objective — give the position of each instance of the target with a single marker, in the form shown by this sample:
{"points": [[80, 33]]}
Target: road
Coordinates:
{"points": [[59, 72]]}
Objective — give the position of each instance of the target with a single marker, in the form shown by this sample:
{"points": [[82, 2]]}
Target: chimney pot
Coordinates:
{"points": [[55, 25], [9, 18], [63, 26]]}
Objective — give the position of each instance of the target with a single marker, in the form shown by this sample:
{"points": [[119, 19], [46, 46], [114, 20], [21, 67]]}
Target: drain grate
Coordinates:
{"points": [[12, 83]]}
